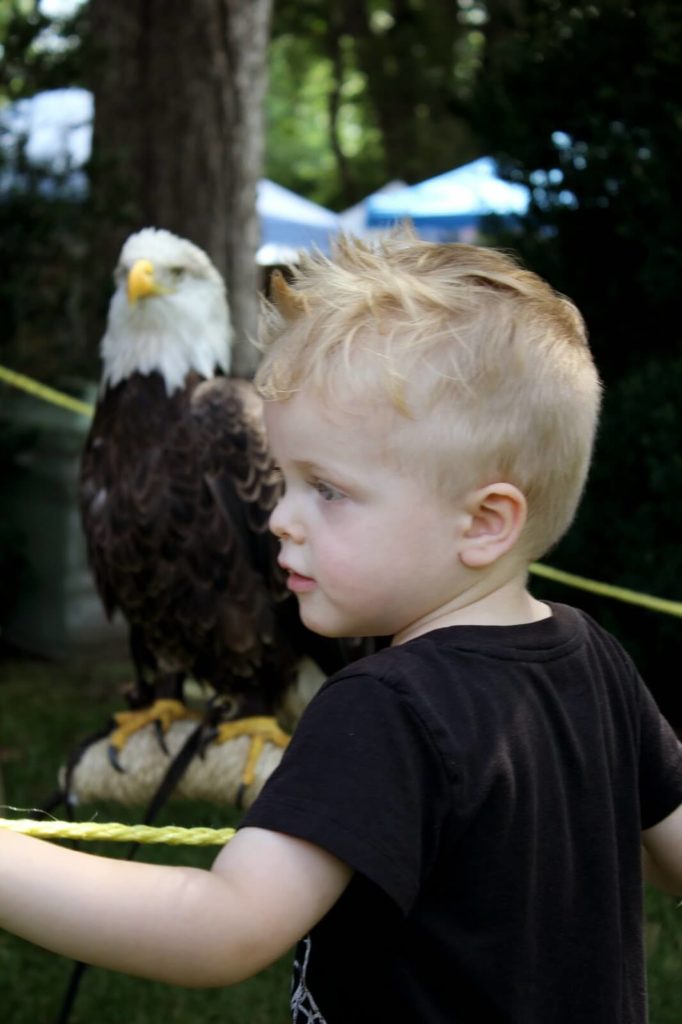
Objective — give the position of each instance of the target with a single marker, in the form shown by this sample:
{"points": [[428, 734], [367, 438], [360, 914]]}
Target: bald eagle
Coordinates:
{"points": [[177, 486]]}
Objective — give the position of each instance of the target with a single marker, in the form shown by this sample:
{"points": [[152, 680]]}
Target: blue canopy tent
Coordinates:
{"points": [[354, 219], [452, 205]]}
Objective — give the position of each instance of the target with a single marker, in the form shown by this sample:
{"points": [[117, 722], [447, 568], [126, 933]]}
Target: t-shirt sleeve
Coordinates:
{"points": [[362, 779], [660, 770]]}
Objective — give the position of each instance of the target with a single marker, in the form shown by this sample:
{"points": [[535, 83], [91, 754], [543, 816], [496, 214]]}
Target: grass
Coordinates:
{"points": [[664, 956], [45, 709]]}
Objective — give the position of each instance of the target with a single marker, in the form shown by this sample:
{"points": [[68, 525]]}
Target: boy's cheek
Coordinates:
{"points": [[342, 571]]}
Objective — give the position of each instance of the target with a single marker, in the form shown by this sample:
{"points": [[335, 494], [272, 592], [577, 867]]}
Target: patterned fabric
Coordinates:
{"points": [[304, 1009]]}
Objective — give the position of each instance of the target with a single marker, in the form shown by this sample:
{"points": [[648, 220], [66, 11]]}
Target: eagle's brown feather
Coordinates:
{"points": [[176, 494]]}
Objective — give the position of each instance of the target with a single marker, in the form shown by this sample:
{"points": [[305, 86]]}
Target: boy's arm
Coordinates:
{"points": [[663, 853], [186, 926]]}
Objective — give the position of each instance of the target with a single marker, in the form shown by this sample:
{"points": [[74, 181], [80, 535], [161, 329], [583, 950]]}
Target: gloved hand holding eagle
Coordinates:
{"points": [[177, 486]]}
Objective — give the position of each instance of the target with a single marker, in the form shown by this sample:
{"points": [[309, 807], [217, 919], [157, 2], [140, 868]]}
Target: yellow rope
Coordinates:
{"points": [[171, 835], [658, 604], [18, 380]]}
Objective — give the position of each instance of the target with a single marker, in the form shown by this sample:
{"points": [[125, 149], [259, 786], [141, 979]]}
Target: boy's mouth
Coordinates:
{"points": [[296, 582], [300, 584]]}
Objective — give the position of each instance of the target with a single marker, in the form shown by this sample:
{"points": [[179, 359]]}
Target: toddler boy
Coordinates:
{"points": [[454, 833]]}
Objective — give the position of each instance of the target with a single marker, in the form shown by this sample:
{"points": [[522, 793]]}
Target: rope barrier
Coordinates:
{"points": [[171, 835], [659, 604], [18, 380]]}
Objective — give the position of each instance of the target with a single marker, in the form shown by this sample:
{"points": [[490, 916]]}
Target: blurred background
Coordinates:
{"points": [[551, 128], [256, 127]]}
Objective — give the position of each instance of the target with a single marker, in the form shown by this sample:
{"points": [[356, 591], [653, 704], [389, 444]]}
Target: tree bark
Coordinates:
{"points": [[178, 139]]}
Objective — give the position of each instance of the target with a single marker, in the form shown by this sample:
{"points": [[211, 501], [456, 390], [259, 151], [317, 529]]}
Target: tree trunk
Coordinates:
{"points": [[178, 139]]}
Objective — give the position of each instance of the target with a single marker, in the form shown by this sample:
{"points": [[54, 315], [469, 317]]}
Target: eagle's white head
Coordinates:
{"points": [[169, 312]]}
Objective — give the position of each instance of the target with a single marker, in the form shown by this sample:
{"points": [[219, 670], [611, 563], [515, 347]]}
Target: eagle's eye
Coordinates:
{"points": [[177, 273]]}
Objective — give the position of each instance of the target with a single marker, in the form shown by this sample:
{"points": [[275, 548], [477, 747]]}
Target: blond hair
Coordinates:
{"points": [[488, 367]]}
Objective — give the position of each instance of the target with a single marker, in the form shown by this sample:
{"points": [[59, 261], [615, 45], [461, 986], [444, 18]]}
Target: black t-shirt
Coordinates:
{"points": [[488, 784]]}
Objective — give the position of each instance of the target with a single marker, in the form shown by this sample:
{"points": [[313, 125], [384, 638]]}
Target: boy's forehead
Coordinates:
{"points": [[309, 422]]}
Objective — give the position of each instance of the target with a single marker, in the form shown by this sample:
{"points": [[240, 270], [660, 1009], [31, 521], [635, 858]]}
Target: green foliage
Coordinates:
{"points": [[13, 556], [600, 152], [37, 51], [664, 955], [298, 112], [366, 91], [43, 286]]}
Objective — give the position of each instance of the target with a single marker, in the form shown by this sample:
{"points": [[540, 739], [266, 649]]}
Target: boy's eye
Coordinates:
{"points": [[326, 491]]}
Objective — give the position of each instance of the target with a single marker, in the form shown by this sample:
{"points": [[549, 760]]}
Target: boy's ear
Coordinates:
{"points": [[496, 517]]}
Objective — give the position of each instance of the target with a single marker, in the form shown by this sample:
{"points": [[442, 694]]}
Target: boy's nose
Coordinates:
{"points": [[283, 523]]}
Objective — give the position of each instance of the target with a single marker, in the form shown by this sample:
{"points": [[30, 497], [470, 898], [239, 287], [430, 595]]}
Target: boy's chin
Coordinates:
{"points": [[330, 632], [334, 630]]}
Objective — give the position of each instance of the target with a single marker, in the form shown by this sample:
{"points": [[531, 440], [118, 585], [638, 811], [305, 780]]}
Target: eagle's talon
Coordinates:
{"points": [[260, 729], [112, 754], [162, 714], [161, 739]]}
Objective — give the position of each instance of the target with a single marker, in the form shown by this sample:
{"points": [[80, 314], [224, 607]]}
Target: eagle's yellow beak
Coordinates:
{"points": [[141, 282]]}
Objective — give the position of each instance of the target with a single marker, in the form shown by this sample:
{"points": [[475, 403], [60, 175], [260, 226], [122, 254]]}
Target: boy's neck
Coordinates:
{"points": [[509, 604]]}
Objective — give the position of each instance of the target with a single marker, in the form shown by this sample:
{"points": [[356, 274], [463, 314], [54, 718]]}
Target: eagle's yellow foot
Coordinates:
{"points": [[262, 729], [161, 714]]}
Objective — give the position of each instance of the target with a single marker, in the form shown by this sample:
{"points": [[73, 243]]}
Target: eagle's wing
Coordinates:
{"points": [[175, 497], [239, 470], [103, 498]]}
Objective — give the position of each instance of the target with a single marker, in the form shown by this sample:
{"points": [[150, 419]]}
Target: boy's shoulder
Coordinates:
{"points": [[565, 629], [458, 665]]}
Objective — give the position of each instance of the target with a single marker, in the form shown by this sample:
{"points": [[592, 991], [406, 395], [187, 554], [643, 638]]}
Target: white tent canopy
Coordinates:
{"points": [[57, 128], [289, 222]]}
